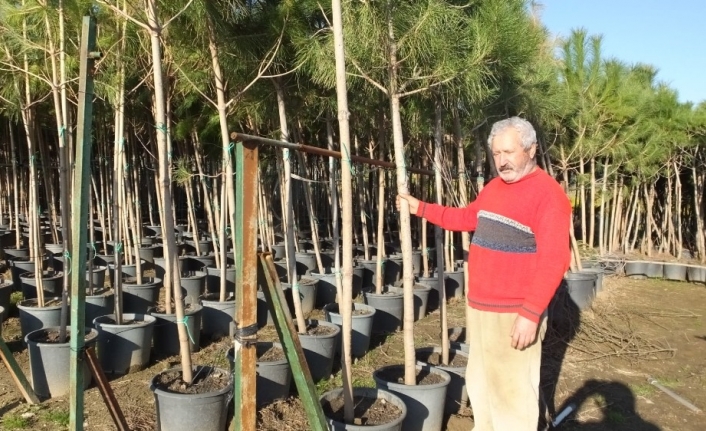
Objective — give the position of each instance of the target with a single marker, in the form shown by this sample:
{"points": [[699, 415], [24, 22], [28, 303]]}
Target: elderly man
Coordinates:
{"points": [[518, 256]]}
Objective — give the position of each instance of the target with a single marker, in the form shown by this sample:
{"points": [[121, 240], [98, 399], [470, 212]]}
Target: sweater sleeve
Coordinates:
{"points": [[450, 218], [553, 256]]}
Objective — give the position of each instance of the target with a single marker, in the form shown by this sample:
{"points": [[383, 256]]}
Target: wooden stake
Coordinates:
{"points": [[17, 375], [106, 391]]}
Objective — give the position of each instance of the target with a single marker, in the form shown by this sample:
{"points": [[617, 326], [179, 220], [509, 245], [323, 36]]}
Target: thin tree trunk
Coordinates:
{"points": [[288, 213], [601, 221], [649, 198], [463, 202], [698, 181], [360, 189], [208, 197], [480, 181], [438, 232], [582, 199], [634, 200], [170, 249], [617, 215], [333, 187], [679, 239], [380, 227], [220, 84], [592, 206], [405, 229], [312, 214], [15, 187], [347, 207]]}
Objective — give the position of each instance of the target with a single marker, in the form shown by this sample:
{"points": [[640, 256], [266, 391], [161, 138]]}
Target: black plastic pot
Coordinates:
{"points": [[393, 270], [425, 403], [675, 271], [33, 317], [52, 284], [362, 326], [193, 285], [421, 300], [325, 289], [97, 276], [306, 262], [217, 317], [124, 348], [456, 395], [166, 331], [636, 268], [49, 363], [369, 270], [213, 280], [307, 292], [365, 393], [655, 269], [5, 295], [696, 273], [454, 284], [101, 303], [273, 377], [191, 412], [581, 287], [389, 309], [319, 350], [140, 298]]}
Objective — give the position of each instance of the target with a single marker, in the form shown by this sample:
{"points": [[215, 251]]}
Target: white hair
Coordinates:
{"points": [[527, 134]]}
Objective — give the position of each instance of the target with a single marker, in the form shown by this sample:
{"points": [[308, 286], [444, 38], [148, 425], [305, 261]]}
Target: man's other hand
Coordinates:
{"points": [[524, 332]]}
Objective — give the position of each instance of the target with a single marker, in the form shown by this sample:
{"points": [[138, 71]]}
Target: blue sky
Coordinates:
{"points": [[668, 34]]}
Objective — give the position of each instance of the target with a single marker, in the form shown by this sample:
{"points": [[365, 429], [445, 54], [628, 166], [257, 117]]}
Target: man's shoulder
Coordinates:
{"points": [[551, 190], [541, 178]]}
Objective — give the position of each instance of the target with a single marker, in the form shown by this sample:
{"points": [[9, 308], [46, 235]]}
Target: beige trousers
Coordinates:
{"points": [[502, 383]]}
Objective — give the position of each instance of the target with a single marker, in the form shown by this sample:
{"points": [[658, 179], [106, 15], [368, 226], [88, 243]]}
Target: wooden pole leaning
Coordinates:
{"points": [[290, 342], [17, 375]]}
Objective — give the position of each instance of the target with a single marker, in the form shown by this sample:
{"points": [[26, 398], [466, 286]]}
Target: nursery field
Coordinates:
{"points": [[601, 363]]}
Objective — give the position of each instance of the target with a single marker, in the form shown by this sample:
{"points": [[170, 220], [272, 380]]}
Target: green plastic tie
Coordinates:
{"points": [[119, 247], [62, 131], [184, 322], [348, 160], [67, 256]]}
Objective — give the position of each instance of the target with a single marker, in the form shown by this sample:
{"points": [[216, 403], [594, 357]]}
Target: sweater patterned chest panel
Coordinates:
{"points": [[500, 233]]}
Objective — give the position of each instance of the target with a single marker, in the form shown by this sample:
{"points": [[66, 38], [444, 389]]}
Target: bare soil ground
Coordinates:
{"points": [[636, 329]]}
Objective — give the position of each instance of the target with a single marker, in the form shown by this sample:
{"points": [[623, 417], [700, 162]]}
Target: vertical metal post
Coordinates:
{"points": [[246, 285], [79, 221]]}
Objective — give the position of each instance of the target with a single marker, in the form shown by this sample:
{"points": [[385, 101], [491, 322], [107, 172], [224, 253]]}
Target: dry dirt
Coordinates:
{"points": [[635, 330]]}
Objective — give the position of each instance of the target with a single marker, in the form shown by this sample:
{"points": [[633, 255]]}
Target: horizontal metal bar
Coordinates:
{"points": [[235, 136]]}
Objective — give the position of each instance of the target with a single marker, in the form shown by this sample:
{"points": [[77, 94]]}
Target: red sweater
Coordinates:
{"points": [[520, 248]]}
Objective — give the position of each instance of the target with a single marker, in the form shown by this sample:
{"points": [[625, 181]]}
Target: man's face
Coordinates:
{"points": [[512, 161]]}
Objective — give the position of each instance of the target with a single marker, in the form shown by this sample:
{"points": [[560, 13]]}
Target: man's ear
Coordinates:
{"points": [[533, 150]]}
